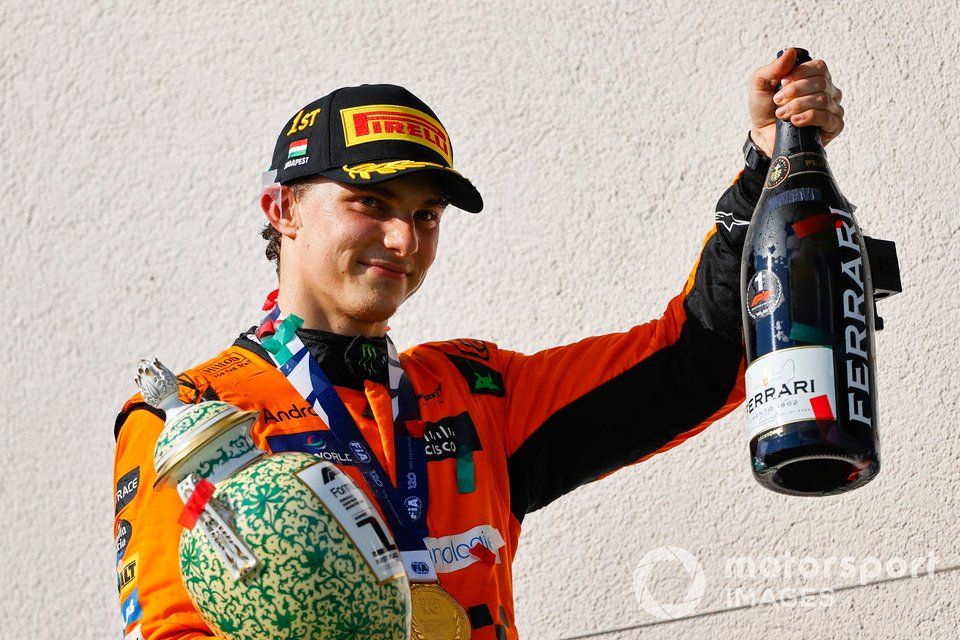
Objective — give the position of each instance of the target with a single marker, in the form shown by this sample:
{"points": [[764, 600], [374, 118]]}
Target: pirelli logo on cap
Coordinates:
{"points": [[392, 122]]}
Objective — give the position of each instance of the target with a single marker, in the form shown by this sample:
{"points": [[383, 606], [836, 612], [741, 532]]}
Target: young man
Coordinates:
{"points": [[362, 180]]}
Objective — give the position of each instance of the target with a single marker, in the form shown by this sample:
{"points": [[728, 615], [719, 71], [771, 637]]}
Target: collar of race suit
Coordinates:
{"points": [[347, 360]]}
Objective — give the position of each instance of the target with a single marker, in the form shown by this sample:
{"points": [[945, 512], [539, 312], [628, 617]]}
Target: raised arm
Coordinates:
{"points": [[577, 412]]}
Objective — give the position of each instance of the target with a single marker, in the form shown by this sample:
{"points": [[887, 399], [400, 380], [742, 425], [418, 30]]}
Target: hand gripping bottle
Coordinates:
{"points": [[808, 318]]}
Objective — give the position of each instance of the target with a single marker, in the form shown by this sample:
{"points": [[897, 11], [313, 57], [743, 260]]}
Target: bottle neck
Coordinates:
{"points": [[792, 139]]}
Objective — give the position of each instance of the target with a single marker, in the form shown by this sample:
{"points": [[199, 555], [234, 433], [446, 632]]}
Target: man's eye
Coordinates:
{"points": [[369, 202], [428, 216]]}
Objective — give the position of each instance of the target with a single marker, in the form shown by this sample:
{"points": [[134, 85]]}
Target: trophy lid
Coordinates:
{"points": [[189, 427]]}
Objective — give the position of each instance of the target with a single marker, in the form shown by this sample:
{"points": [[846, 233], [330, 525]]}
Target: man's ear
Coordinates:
{"points": [[277, 203]]}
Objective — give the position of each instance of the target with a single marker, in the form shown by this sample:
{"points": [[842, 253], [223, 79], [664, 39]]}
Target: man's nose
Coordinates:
{"points": [[401, 235]]}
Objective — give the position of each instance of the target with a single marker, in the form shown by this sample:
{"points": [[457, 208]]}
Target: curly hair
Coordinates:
{"points": [[272, 236], [298, 188]]}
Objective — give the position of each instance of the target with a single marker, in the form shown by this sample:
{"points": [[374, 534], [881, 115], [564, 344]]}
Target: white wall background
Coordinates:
{"points": [[601, 135]]}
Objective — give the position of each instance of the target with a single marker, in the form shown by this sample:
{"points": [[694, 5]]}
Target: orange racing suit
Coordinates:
{"points": [[507, 433]]}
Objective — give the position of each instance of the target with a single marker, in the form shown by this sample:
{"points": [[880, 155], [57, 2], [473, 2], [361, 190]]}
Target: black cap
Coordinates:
{"points": [[368, 134]]}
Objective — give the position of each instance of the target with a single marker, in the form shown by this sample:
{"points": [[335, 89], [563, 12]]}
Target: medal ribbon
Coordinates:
{"points": [[404, 506]]}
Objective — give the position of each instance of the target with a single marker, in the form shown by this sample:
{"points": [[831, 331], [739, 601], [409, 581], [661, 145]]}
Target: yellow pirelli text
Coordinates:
{"points": [[392, 122]]}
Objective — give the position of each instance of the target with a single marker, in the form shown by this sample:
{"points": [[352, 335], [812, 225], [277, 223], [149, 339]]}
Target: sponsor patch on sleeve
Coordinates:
{"points": [[124, 533], [127, 574], [127, 487], [130, 609], [481, 379], [229, 363]]}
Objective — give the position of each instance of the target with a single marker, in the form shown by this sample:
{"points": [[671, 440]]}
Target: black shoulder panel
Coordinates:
{"points": [[624, 419], [664, 395], [123, 415]]}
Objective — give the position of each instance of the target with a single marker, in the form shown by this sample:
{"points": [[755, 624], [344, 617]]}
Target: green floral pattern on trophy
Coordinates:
{"points": [[311, 581], [193, 419], [235, 448]]}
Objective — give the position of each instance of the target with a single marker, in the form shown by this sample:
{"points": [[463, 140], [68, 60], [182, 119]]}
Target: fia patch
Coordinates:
{"points": [[481, 379], [450, 437], [124, 533], [414, 507], [127, 487]]}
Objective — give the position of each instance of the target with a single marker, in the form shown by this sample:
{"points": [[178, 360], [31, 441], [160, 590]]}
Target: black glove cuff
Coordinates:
{"points": [[750, 184], [754, 157]]}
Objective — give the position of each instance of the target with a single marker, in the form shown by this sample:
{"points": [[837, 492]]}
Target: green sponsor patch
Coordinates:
{"points": [[481, 379]]}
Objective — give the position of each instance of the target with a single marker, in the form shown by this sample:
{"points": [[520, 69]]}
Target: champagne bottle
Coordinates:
{"points": [[808, 318]]}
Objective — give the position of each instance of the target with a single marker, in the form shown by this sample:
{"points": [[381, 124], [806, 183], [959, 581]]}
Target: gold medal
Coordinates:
{"points": [[436, 614]]}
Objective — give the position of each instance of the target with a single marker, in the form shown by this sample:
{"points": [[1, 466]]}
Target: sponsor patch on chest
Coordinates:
{"points": [[450, 437], [455, 552], [316, 442]]}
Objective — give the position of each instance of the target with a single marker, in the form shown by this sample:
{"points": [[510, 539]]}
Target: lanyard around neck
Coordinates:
{"points": [[404, 505]]}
